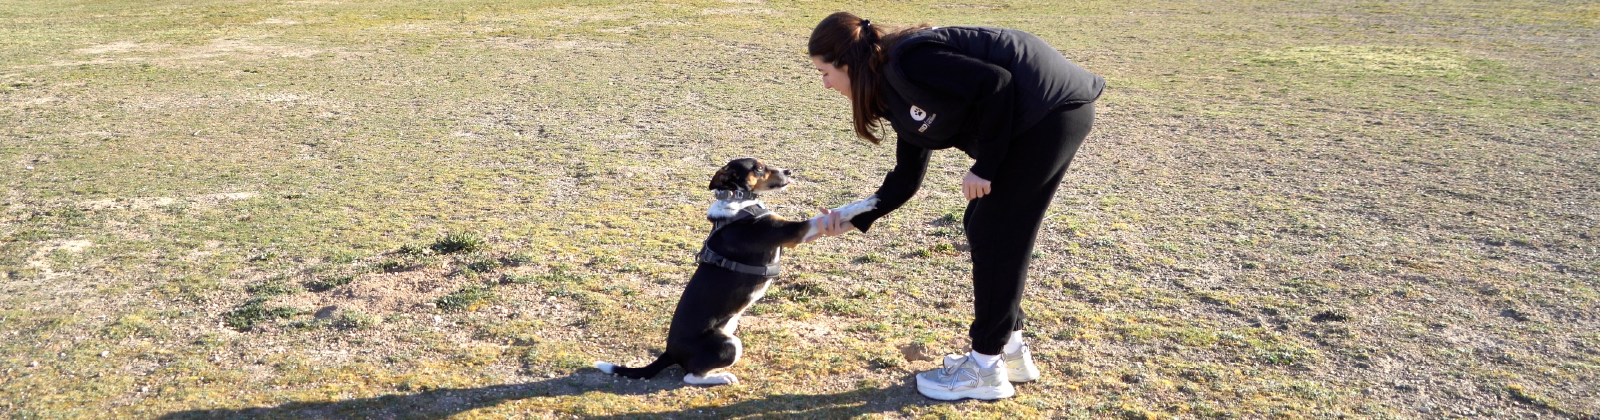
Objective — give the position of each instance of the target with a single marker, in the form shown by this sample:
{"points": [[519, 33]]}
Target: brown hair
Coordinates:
{"points": [[845, 40]]}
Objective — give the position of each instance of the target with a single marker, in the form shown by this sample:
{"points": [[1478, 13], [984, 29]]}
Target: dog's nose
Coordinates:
{"points": [[787, 172]]}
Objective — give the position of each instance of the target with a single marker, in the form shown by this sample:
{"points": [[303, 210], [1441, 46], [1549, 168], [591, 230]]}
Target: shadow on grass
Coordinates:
{"points": [[442, 403]]}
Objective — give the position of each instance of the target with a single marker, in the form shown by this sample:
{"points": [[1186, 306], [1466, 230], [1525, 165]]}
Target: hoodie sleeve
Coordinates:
{"points": [[902, 182], [986, 86]]}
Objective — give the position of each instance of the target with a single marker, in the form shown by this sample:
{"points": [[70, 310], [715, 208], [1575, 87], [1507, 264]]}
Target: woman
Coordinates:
{"points": [[1017, 108]]}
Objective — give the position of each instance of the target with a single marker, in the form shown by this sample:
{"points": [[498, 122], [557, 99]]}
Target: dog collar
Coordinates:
{"points": [[734, 195]]}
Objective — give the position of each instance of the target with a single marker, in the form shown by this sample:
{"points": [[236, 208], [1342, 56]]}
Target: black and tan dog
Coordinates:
{"points": [[737, 263]]}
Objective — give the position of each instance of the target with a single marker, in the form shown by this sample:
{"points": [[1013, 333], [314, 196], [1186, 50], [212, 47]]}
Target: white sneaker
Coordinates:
{"points": [[964, 380], [1019, 365]]}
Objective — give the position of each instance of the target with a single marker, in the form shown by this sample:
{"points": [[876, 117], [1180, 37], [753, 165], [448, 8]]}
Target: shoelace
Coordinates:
{"points": [[953, 370]]}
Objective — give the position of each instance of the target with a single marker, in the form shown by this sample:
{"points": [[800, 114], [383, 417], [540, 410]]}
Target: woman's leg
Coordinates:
{"points": [[1002, 226]]}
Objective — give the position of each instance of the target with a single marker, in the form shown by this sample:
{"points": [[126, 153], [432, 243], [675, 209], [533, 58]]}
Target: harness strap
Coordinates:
{"points": [[756, 212], [708, 256], [711, 257]]}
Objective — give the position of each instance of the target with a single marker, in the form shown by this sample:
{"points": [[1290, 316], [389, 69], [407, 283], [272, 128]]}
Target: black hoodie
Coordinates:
{"points": [[971, 88]]}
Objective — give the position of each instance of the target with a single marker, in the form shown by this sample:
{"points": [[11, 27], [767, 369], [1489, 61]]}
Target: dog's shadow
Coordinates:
{"points": [[446, 402]]}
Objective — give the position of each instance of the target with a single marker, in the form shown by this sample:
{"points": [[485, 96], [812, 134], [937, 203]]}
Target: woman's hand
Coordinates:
{"points": [[973, 186]]}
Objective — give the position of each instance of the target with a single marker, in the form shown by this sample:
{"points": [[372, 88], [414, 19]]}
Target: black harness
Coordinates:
{"points": [[711, 257]]}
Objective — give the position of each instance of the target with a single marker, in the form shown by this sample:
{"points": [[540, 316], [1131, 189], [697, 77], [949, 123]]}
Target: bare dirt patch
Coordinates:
{"points": [[1368, 59], [41, 258], [244, 47], [135, 203], [557, 44], [146, 203], [226, 196], [738, 11], [378, 293], [255, 48], [278, 21], [121, 47]]}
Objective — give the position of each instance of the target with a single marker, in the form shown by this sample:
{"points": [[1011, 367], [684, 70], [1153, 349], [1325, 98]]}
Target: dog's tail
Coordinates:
{"points": [[649, 371]]}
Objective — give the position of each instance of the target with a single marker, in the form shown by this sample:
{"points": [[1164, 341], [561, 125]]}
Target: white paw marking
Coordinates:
{"points": [[605, 367], [721, 378], [846, 212], [851, 210]]}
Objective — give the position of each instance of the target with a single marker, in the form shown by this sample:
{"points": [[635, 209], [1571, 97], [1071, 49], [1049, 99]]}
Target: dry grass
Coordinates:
{"points": [[1288, 209]]}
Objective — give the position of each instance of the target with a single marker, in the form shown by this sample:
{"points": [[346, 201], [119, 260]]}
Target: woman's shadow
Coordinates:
{"points": [[445, 402]]}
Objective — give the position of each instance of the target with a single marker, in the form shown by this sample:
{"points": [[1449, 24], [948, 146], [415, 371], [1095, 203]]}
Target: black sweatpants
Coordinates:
{"points": [[1003, 225]]}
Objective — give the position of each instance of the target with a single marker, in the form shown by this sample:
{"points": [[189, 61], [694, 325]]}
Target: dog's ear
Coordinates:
{"points": [[725, 180]]}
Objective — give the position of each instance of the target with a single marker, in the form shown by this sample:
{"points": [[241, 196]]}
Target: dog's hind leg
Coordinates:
{"points": [[719, 378], [720, 351]]}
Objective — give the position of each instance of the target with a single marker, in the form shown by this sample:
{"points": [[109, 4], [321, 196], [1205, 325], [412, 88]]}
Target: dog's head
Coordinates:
{"points": [[749, 175]]}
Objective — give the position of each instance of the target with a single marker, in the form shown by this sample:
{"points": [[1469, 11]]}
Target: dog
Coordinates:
{"points": [[736, 264]]}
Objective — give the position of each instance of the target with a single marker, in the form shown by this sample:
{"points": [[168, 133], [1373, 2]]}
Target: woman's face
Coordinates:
{"points": [[833, 77]]}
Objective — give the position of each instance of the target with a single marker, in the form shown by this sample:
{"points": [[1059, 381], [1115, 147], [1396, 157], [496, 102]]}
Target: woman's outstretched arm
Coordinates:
{"points": [[910, 165]]}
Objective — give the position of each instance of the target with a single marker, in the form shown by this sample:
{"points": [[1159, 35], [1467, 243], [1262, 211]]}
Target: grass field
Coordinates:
{"points": [[450, 208]]}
